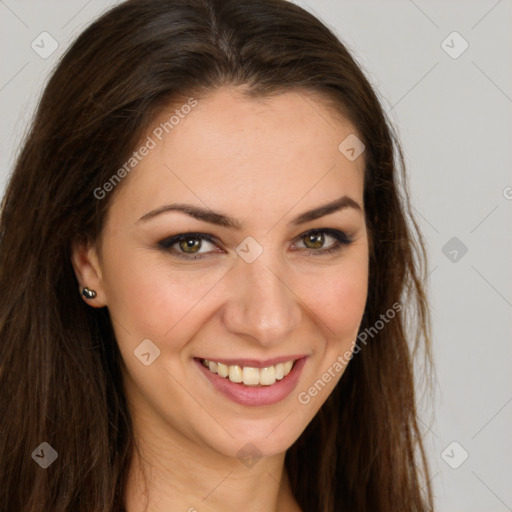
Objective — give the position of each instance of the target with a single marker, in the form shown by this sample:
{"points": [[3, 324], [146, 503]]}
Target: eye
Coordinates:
{"points": [[315, 240], [188, 244]]}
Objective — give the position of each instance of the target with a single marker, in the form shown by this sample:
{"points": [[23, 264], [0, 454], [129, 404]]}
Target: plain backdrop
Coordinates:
{"points": [[443, 73]]}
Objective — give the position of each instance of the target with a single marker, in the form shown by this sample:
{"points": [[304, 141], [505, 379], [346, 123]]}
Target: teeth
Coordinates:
{"points": [[268, 375], [222, 370], [250, 376], [235, 374], [279, 371]]}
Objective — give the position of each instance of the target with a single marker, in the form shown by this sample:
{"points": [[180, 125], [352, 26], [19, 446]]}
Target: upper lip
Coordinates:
{"points": [[255, 363]]}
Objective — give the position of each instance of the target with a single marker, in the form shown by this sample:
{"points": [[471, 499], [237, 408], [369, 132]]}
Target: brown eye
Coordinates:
{"points": [[190, 245], [314, 240]]}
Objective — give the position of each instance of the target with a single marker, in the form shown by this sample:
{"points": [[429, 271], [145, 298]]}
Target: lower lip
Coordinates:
{"points": [[255, 395]]}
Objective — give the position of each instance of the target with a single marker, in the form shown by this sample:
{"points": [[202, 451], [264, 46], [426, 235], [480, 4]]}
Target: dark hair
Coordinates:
{"points": [[60, 367]]}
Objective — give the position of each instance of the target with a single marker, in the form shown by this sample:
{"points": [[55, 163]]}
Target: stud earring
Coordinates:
{"points": [[88, 294]]}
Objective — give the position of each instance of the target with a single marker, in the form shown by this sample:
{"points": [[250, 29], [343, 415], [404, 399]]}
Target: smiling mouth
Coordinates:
{"points": [[250, 376]]}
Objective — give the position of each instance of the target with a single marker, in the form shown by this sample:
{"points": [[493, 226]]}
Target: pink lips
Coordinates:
{"points": [[257, 395]]}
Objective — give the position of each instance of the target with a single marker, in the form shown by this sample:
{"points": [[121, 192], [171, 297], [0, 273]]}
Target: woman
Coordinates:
{"points": [[206, 266]]}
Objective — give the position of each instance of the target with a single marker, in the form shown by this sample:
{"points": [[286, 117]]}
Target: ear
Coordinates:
{"points": [[86, 263]]}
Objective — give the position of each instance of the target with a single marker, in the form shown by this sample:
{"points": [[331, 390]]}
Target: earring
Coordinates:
{"points": [[88, 294]]}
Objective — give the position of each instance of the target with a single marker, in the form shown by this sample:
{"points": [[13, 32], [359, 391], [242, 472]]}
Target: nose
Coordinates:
{"points": [[262, 303]]}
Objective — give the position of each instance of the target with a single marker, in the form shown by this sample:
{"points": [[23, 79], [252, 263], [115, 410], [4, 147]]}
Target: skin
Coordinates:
{"points": [[262, 162]]}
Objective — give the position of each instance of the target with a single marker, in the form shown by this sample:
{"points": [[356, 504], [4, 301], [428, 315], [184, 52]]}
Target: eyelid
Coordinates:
{"points": [[337, 234], [169, 241]]}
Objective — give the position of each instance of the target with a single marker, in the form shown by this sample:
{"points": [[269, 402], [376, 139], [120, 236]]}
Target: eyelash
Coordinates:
{"points": [[341, 239]]}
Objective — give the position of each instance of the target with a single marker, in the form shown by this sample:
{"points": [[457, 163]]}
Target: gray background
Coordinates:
{"points": [[453, 116]]}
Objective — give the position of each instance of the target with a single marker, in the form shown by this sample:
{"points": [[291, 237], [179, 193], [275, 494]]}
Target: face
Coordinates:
{"points": [[209, 253]]}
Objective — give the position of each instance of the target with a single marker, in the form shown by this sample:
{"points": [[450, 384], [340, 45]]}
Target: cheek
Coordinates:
{"points": [[338, 298], [148, 299]]}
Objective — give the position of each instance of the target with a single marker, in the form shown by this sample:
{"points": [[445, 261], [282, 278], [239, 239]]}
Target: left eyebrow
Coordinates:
{"points": [[221, 219], [326, 209]]}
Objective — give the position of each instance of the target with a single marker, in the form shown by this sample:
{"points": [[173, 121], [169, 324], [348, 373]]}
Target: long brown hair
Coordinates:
{"points": [[60, 368]]}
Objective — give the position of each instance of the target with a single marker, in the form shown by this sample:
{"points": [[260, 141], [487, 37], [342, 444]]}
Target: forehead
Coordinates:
{"points": [[229, 150]]}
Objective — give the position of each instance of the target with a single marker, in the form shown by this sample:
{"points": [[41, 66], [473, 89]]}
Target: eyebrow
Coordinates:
{"points": [[220, 219]]}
